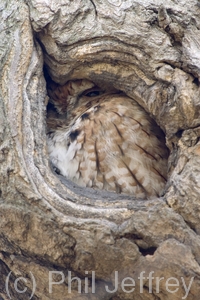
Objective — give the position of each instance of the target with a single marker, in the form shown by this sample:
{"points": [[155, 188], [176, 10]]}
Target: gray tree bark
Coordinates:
{"points": [[51, 230]]}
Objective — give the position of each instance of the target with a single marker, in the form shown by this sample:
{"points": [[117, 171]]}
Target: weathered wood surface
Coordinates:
{"points": [[149, 50]]}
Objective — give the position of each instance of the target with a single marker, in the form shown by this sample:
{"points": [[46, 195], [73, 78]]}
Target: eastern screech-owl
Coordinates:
{"points": [[105, 140]]}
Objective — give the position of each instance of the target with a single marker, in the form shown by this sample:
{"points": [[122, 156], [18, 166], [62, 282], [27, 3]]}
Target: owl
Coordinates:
{"points": [[103, 139]]}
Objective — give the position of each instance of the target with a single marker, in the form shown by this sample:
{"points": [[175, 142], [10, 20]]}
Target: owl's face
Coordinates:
{"points": [[104, 139], [71, 95], [70, 100]]}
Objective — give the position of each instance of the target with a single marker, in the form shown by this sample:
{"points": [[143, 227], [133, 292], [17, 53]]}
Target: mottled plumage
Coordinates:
{"points": [[105, 140]]}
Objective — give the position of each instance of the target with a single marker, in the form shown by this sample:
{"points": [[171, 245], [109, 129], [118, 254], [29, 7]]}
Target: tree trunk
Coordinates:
{"points": [[51, 230]]}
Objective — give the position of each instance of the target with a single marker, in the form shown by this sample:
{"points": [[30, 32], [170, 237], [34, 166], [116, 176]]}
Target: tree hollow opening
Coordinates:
{"points": [[102, 141]]}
